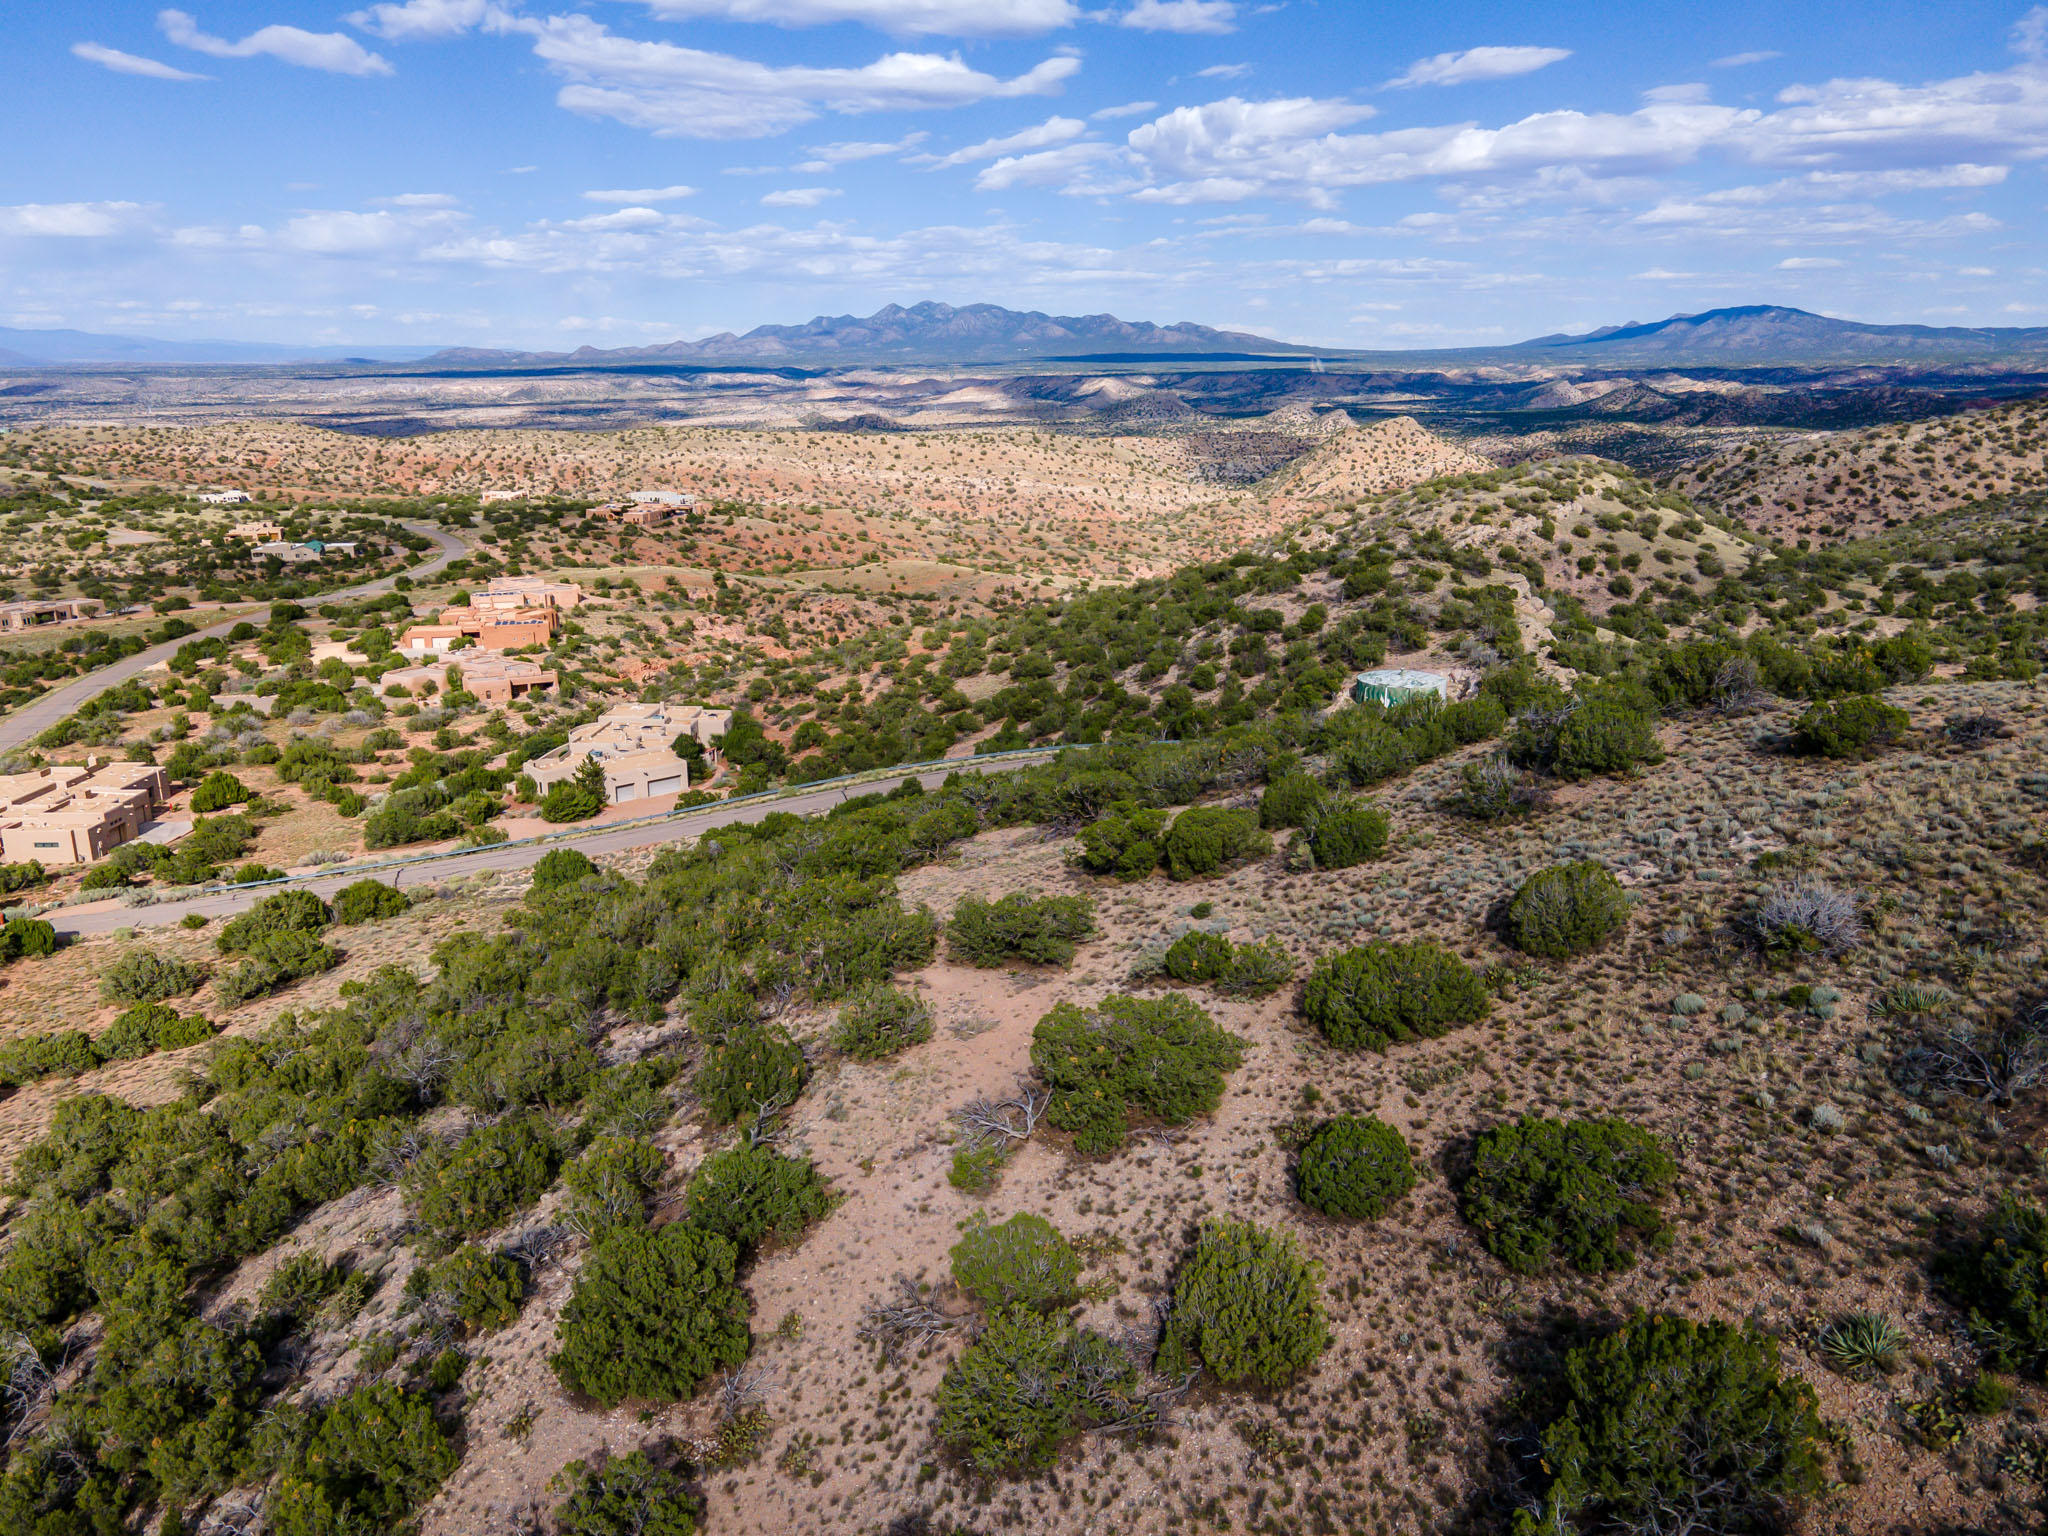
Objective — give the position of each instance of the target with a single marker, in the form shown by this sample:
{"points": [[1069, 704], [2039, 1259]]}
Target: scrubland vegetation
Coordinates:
{"points": [[1610, 1094]]}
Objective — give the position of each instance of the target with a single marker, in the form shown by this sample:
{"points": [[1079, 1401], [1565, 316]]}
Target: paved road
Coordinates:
{"points": [[30, 721], [430, 868]]}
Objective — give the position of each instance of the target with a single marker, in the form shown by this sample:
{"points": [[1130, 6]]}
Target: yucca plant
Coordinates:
{"points": [[1858, 1343]]}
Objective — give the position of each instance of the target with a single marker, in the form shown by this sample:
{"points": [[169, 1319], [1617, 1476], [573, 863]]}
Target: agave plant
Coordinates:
{"points": [[1858, 1343]]}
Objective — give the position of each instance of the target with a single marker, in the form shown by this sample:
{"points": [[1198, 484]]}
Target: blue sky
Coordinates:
{"points": [[613, 172]]}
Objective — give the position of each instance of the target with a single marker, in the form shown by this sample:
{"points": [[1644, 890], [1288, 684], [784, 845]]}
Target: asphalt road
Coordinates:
{"points": [[428, 869], [32, 719]]}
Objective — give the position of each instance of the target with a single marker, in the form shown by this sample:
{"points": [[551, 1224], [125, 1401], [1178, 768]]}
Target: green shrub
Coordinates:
{"points": [[568, 800], [1567, 910], [273, 960], [373, 1457], [144, 976], [1666, 1414], [1252, 969], [752, 1194], [626, 1496], [1246, 1305], [654, 1313], [1075, 1378], [1369, 751], [470, 1186], [150, 1027], [286, 912], [1374, 996], [1124, 843], [299, 1287], [977, 1170], [750, 1070], [1204, 838], [561, 866], [1346, 834], [63, 1053], [219, 790], [1160, 1057], [1999, 1278], [1023, 1262], [368, 901], [1355, 1168], [26, 936], [878, 1020], [1290, 800], [610, 1184], [1583, 1191], [480, 1287], [1585, 735], [1853, 727], [1605, 736], [1040, 930]]}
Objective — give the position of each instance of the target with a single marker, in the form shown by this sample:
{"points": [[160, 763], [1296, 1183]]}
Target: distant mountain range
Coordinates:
{"points": [[1757, 335], [932, 333], [31, 349]]}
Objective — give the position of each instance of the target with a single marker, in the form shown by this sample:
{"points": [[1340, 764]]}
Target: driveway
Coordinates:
{"points": [[32, 719]]}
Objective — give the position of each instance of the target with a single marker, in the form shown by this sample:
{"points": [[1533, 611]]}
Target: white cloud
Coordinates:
{"points": [[421, 18], [331, 51], [2030, 34], [422, 200], [641, 195], [1737, 60], [343, 233], [1128, 109], [946, 18], [829, 157], [676, 92], [1211, 17], [1223, 72], [1810, 263], [130, 63], [1054, 130], [622, 218], [1072, 169], [71, 221], [1478, 64], [799, 197]]}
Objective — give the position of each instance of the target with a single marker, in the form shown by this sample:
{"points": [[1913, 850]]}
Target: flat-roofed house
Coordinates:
{"points": [[224, 498], [537, 591], [65, 814], [260, 533], [493, 677], [492, 629], [632, 744], [33, 614]]}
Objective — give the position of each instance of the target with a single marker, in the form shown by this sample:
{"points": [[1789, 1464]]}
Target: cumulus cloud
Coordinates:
{"points": [[945, 18], [334, 52], [641, 195], [1478, 64], [677, 92], [71, 221], [130, 63], [421, 18], [1054, 130], [1211, 17], [799, 197]]}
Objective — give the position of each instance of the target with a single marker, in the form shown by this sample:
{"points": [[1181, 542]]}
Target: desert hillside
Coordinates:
{"points": [[1836, 485]]}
